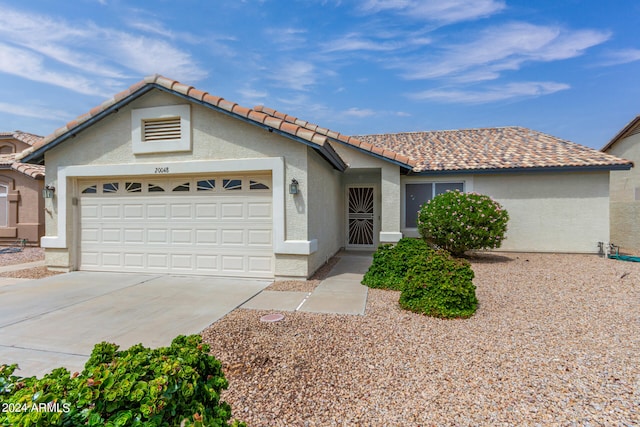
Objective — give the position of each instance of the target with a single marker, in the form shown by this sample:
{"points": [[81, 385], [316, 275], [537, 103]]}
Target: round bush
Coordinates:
{"points": [[391, 263], [440, 286], [458, 222]]}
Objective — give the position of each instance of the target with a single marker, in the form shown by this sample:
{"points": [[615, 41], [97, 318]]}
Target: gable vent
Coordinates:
{"points": [[164, 129]]}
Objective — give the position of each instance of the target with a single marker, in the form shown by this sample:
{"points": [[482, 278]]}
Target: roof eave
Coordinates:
{"points": [[586, 168], [37, 156], [621, 134]]}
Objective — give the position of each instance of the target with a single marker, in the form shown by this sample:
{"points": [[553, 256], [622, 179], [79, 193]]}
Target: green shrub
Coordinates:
{"points": [[458, 222], [391, 263], [178, 385], [440, 286]]}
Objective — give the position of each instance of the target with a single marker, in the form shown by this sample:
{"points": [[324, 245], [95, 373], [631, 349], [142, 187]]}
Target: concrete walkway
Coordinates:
{"points": [[17, 267], [340, 293]]}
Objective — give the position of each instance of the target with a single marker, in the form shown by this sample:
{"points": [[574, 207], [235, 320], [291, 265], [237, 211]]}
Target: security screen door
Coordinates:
{"points": [[360, 217]]}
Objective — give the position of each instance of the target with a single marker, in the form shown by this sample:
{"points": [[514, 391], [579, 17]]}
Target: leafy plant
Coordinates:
{"points": [[440, 286], [458, 222], [391, 263], [178, 385]]}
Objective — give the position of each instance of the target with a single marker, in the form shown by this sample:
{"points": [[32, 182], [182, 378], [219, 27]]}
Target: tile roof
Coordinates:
{"points": [[315, 138], [27, 138], [8, 161], [456, 150], [357, 142], [491, 149]]}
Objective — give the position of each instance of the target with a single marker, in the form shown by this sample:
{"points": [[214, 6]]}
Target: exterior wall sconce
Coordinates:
{"points": [[47, 191], [293, 187]]}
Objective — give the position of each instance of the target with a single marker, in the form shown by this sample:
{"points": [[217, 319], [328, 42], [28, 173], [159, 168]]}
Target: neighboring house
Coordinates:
{"points": [[166, 178], [21, 204], [624, 190]]}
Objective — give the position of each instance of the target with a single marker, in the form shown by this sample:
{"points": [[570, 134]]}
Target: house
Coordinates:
{"points": [[624, 191], [166, 178], [21, 204]]}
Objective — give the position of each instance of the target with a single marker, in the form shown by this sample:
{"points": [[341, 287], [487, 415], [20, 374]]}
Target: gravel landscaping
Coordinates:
{"points": [[555, 341]]}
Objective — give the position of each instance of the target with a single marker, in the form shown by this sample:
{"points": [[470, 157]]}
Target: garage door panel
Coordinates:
{"points": [[259, 210], [181, 211], [231, 263], [157, 211], [134, 260], [207, 237], [90, 234], [158, 235], [111, 235], [181, 236], [181, 261], [233, 237], [134, 211], [90, 211], [232, 210], [112, 259], [134, 236], [110, 211], [259, 237], [158, 261], [216, 233], [206, 210]]}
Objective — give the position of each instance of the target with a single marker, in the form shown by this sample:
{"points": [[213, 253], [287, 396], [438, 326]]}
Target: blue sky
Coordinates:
{"points": [[567, 68]]}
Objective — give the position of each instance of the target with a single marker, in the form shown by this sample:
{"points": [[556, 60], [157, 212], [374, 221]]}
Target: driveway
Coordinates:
{"points": [[56, 321]]}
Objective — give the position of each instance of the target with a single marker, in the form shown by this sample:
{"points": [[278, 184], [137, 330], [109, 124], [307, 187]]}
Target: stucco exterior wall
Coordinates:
{"points": [[214, 136], [325, 209], [625, 197], [551, 212], [26, 205], [26, 208]]}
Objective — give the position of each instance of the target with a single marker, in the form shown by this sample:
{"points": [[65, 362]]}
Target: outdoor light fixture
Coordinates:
{"points": [[47, 191], [293, 187]]}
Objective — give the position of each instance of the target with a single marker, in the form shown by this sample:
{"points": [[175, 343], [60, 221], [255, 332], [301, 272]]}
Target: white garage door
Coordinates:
{"points": [[216, 225]]}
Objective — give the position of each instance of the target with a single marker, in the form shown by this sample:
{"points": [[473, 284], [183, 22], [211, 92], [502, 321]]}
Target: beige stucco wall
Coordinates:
{"points": [[215, 136], [325, 209], [549, 212], [26, 205], [552, 212], [625, 197]]}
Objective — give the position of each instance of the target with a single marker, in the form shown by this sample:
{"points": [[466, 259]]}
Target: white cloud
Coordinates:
{"points": [[84, 57], [34, 112], [448, 11], [298, 75], [620, 57], [359, 112], [30, 65], [503, 48], [355, 41], [491, 94]]}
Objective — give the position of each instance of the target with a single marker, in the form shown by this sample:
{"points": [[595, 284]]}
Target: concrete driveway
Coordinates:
{"points": [[56, 321]]}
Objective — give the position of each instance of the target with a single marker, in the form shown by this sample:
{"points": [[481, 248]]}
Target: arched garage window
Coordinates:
{"points": [[4, 206]]}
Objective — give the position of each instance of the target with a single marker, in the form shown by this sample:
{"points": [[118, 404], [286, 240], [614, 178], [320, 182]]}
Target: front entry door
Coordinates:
{"points": [[360, 217]]}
